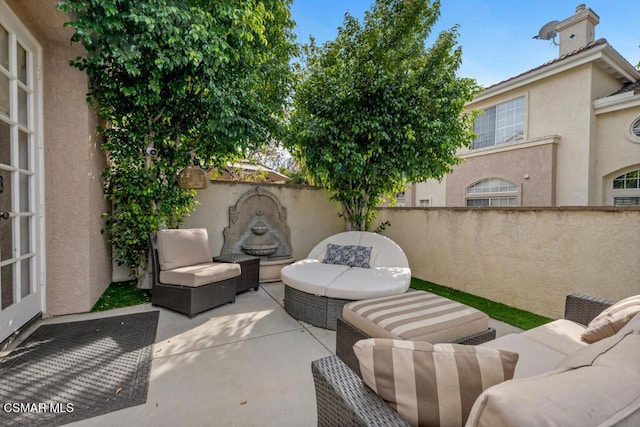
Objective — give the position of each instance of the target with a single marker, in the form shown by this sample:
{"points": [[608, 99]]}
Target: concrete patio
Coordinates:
{"points": [[242, 364]]}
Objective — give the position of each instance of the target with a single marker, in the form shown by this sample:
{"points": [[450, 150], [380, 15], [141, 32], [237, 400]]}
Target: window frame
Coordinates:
{"points": [[496, 117], [493, 196]]}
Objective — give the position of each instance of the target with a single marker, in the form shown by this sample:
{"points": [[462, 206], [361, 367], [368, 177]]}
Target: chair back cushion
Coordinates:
{"points": [[431, 385], [183, 247]]}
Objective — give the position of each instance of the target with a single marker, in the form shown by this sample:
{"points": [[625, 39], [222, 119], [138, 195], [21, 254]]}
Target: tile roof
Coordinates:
{"points": [[586, 47], [635, 87]]}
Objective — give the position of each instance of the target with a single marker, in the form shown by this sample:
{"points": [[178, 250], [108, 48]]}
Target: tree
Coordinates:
{"points": [[375, 108], [195, 80]]}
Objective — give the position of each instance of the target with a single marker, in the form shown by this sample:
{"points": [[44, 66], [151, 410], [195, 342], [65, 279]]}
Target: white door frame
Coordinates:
{"points": [[18, 314]]}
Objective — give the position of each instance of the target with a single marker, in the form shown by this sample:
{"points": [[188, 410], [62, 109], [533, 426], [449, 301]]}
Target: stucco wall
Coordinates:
{"points": [[532, 167], [78, 266], [527, 258], [618, 152], [311, 216]]}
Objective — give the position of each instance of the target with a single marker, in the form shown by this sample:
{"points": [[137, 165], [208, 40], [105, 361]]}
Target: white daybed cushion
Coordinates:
{"points": [[311, 275], [363, 283], [346, 238], [390, 254]]}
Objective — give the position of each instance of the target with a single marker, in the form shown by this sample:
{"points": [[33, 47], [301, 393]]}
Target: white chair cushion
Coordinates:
{"points": [[390, 254], [311, 275], [200, 274], [183, 247], [360, 283]]}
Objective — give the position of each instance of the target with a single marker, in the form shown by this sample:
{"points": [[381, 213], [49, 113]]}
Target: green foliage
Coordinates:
{"points": [[375, 108], [199, 80], [123, 294], [504, 313]]}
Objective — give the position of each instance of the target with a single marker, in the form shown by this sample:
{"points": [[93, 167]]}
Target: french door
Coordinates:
{"points": [[21, 200]]}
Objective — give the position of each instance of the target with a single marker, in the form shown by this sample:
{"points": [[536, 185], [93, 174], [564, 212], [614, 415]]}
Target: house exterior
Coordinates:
{"points": [[53, 258], [566, 133]]}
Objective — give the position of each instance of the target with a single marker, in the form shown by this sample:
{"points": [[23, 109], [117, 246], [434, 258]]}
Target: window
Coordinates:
{"points": [[628, 180], [635, 128], [501, 124], [425, 203], [626, 201], [492, 192]]}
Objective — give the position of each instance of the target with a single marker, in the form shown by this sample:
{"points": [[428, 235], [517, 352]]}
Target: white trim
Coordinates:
{"points": [[617, 102], [551, 139]]}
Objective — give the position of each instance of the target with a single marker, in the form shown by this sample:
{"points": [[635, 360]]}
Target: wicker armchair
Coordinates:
{"points": [[343, 399]]}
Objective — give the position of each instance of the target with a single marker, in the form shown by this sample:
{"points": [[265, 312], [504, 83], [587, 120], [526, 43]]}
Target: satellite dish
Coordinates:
{"points": [[548, 31]]}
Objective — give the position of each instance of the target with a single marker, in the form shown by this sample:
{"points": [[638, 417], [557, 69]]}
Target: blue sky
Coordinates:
{"points": [[495, 35]]}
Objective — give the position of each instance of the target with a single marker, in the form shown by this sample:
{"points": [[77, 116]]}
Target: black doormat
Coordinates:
{"points": [[71, 371]]}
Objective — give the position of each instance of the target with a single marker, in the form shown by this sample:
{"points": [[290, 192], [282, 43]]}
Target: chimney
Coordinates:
{"points": [[577, 30]]}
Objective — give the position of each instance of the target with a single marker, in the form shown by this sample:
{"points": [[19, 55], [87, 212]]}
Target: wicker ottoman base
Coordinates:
{"points": [[316, 310]]}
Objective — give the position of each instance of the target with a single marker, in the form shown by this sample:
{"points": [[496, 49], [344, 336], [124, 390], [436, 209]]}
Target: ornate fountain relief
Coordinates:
{"points": [[258, 227]]}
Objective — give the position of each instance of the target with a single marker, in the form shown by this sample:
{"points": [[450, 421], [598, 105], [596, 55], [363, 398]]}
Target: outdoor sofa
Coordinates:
{"points": [[558, 380], [348, 266]]}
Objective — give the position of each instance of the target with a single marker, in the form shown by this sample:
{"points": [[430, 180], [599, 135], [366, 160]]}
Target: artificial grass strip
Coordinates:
{"points": [[504, 313], [123, 294]]}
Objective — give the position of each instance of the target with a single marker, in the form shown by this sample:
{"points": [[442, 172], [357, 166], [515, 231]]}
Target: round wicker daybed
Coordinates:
{"points": [[317, 287]]}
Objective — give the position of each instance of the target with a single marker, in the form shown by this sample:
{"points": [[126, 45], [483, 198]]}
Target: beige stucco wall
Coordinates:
{"points": [[618, 152], [78, 265], [531, 166], [527, 258], [311, 216]]}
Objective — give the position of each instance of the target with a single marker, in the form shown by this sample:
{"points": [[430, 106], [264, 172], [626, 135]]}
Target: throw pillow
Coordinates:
{"points": [[612, 319], [431, 384], [350, 255]]}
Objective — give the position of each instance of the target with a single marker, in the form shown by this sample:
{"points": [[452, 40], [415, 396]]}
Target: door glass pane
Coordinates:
{"points": [[4, 95], [25, 235], [23, 150], [4, 48], [6, 283], [22, 65], [25, 279], [22, 106], [6, 233], [24, 192]]}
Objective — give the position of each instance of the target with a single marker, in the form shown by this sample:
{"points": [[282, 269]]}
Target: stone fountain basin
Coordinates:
{"points": [[265, 249]]}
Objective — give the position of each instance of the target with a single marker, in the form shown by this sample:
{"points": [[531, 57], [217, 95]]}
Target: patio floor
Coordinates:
{"points": [[242, 364]]}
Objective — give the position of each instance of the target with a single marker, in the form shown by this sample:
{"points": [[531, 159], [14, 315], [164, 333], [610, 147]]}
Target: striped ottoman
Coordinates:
{"points": [[413, 316]]}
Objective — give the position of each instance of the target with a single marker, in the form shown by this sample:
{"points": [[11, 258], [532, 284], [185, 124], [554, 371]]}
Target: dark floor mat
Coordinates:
{"points": [[71, 371]]}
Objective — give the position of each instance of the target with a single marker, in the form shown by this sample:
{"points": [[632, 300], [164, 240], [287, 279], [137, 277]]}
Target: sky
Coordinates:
{"points": [[496, 35]]}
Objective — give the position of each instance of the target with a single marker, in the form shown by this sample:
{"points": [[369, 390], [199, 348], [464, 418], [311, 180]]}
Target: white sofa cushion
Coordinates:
{"points": [[360, 283], [602, 389], [311, 275], [182, 247], [535, 358], [200, 274], [561, 335]]}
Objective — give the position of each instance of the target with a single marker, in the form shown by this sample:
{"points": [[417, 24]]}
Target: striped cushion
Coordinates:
{"points": [[431, 385], [415, 316]]}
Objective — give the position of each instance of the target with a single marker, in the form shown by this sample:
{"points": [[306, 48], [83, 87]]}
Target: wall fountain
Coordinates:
{"points": [[258, 227]]}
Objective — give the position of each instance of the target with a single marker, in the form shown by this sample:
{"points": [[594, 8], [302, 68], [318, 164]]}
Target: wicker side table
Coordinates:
{"points": [[250, 266]]}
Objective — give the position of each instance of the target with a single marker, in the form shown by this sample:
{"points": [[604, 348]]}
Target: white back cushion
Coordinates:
{"points": [[180, 248]]}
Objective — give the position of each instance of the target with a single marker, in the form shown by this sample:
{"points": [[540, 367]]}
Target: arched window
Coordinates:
{"points": [[626, 189], [492, 192]]}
